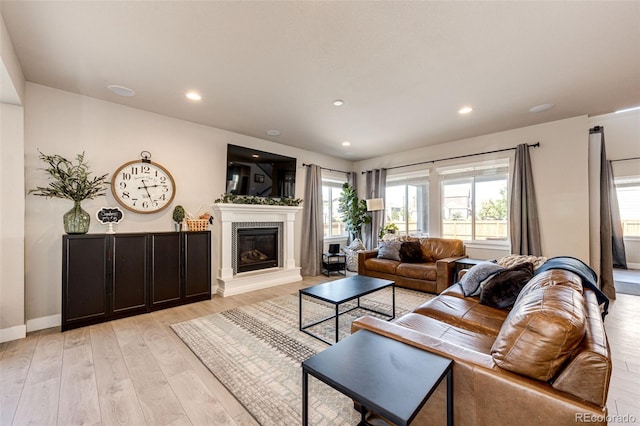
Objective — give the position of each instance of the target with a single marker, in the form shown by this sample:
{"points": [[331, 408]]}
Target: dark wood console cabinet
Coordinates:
{"points": [[109, 276]]}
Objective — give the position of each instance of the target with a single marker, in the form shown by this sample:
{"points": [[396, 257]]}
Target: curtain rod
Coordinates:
{"points": [[325, 168], [625, 159], [533, 145]]}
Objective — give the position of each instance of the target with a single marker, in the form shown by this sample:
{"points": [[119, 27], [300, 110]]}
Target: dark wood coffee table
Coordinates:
{"points": [[385, 376], [341, 291]]}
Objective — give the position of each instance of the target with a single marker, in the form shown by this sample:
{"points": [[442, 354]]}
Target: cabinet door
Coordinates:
{"points": [[84, 280], [129, 280], [197, 265], [165, 270]]}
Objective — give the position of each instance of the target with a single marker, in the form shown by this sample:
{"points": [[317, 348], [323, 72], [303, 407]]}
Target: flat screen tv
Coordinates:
{"points": [[260, 173]]}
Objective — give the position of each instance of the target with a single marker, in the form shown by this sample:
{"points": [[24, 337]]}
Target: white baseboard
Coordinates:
{"points": [[44, 322], [633, 265], [13, 333]]}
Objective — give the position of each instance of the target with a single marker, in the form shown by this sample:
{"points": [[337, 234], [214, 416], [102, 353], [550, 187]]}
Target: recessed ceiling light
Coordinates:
{"points": [[628, 109], [121, 90], [194, 96], [465, 110], [255, 155], [273, 132], [541, 108], [346, 143], [338, 102]]}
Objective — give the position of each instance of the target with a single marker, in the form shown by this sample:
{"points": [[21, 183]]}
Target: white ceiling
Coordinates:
{"points": [[402, 68]]}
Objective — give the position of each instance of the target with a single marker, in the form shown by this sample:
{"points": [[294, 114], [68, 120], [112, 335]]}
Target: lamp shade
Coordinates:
{"points": [[375, 204]]}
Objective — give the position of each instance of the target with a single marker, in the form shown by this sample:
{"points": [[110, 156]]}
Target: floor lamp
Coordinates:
{"points": [[374, 205]]}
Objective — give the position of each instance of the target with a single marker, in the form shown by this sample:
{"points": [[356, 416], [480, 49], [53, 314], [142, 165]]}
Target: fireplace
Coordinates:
{"points": [[257, 248], [231, 220]]}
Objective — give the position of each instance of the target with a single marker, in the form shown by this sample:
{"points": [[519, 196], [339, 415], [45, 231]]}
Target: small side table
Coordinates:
{"points": [[334, 262], [465, 263], [383, 375]]}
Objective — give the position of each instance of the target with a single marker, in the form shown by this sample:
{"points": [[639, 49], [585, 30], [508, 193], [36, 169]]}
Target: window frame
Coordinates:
{"points": [[418, 178], [474, 173], [334, 183]]}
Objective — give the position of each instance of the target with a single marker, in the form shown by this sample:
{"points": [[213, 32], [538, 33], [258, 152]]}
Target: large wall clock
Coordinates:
{"points": [[142, 186]]}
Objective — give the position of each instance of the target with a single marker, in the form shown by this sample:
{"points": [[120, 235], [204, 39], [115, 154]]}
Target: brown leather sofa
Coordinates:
{"points": [[546, 361], [433, 275]]}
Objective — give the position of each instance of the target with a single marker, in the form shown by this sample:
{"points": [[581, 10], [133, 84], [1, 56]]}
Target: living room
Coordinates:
{"points": [[112, 132]]}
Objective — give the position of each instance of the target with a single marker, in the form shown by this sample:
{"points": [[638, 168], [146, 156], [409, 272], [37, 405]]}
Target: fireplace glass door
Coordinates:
{"points": [[257, 248]]}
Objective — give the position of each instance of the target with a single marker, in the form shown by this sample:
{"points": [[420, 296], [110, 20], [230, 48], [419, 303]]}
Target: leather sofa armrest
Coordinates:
{"points": [[362, 256], [445, 271]]}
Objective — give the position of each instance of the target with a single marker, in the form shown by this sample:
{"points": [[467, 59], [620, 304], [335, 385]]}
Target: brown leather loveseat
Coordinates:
{"points": [[433, 272], [546, 361]]}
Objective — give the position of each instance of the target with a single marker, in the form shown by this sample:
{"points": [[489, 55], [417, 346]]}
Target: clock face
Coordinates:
{"points": [[143, 187]]}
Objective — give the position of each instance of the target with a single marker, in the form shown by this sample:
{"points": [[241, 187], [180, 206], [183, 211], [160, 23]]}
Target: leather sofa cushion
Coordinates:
{"points": [[441, 248], [442, 331], [419, 271], [464, 313], [541, 331], [382, 265], [552, 277]]}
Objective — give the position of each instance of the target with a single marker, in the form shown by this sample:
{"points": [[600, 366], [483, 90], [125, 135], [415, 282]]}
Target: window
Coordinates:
{"points": [[474, 202], [628, 191], [407, 202], [331, 190]]}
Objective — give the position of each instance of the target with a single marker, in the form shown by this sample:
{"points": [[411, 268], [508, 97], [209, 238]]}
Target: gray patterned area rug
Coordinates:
{"points": [[256, 352]]}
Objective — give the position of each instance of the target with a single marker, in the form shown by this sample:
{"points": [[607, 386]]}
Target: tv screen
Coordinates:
{"points": [[253, 172]]}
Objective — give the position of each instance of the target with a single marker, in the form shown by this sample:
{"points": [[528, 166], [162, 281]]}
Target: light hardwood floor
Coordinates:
{"points": [[136, 371]]}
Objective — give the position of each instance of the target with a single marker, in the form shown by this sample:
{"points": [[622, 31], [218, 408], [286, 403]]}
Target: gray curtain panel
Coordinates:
{"points": [[608, 235], [524, 224], [313, 234], [376, 185]]}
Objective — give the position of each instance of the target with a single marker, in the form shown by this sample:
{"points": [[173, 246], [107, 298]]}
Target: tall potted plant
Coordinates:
{"points": [[353, 211], [71, 181]]}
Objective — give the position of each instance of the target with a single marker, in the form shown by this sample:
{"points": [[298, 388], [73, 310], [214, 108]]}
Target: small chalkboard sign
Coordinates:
{"points": [[109, 215]]}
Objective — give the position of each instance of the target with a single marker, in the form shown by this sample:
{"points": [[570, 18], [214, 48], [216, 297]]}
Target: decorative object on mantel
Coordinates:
{"points": [[353, 211], [144, 187], [178, 217], [72, 182], [252, 199], [109, 216]]}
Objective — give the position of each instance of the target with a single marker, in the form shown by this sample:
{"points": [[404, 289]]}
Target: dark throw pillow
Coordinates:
{"points": [[502, 289], [411, 252], [389, 250], [470, 282]]}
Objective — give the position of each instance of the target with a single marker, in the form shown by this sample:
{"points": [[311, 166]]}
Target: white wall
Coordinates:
{"points": [[12, 318], [12, 86], [59, 122], [560, 176], [622, 140]]}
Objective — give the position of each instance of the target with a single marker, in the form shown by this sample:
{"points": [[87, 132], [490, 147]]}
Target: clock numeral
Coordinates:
{"points": [[126, 176], [134, 170], [123, 185], [165, 188], [163, 197], [145, 204], [126, 194], [155, 203], [146, 169], [135, 200], [163, 179]]}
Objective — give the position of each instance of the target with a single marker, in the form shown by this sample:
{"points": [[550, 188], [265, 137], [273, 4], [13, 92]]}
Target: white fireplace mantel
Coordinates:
{"points": [[226, 214]]}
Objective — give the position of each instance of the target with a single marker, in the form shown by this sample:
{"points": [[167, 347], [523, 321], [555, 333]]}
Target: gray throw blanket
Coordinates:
{"points": [[578, 267]]}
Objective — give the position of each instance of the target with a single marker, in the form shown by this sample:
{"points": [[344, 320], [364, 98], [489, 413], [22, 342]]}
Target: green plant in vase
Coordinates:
{"points": [[71, 181], [353, 211], [178, 217]]}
